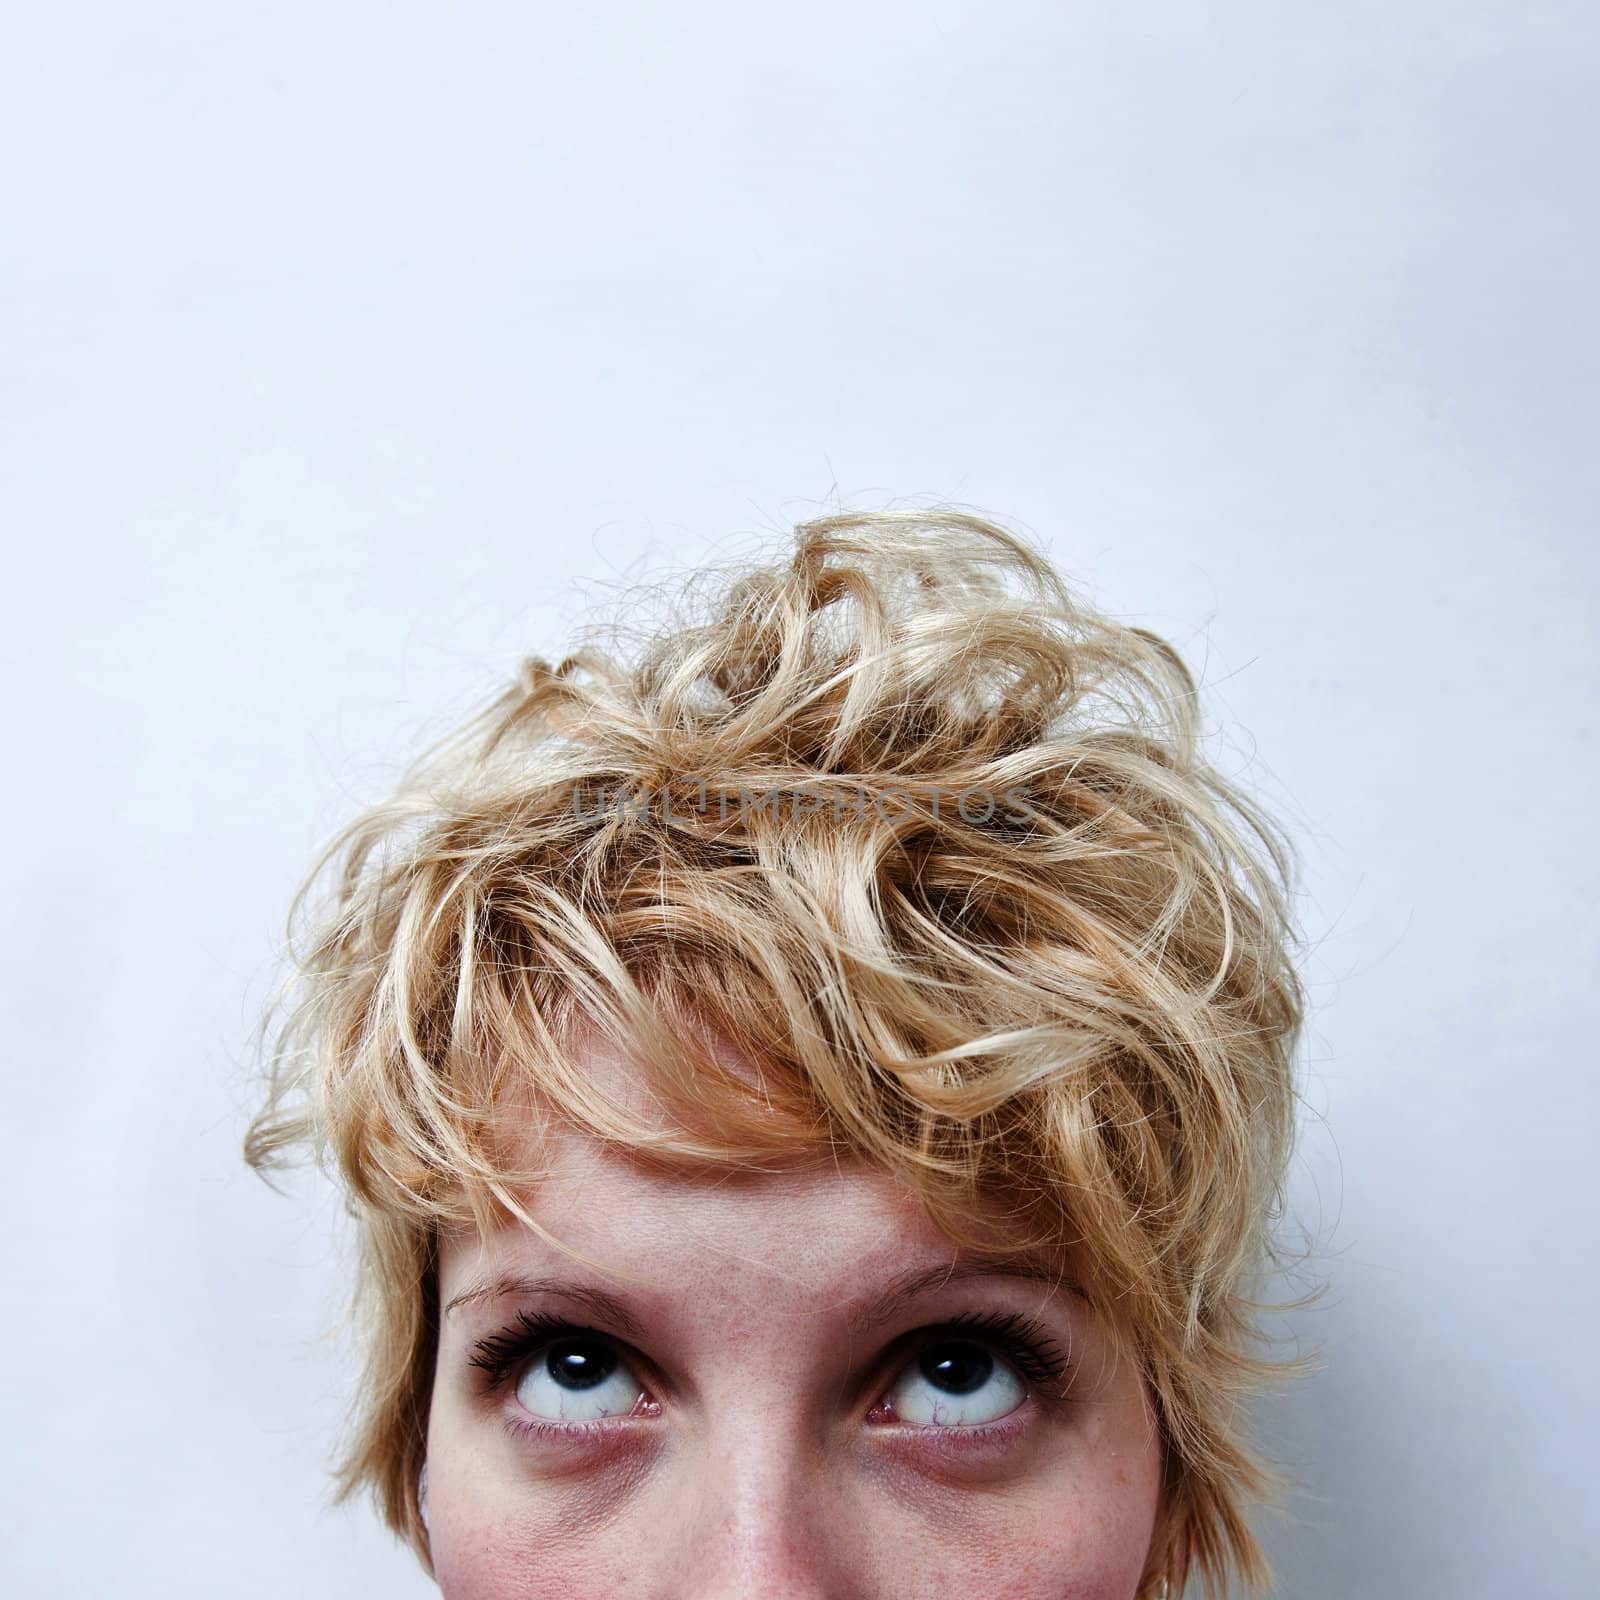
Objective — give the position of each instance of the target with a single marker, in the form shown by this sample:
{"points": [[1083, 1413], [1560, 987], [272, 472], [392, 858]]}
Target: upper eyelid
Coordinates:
{"points": [[1006, 1327], [519, 1342], [1012, 1335], [902, 1292], [1025, 1343]]}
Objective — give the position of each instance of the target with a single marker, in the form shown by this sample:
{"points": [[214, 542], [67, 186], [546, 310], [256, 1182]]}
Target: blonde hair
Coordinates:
{"points": [[930, 841]]}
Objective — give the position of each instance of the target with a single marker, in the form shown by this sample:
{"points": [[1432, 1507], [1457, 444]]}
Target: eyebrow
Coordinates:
{"points": [[595, 1301], [910, 1286], [898, 1294]]}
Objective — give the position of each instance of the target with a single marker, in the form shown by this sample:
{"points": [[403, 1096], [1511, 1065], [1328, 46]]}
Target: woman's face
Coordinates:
{"points": [[786, 1384]]}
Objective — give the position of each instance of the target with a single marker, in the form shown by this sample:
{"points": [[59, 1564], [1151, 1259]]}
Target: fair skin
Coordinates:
{"points": [[784, 1383]]}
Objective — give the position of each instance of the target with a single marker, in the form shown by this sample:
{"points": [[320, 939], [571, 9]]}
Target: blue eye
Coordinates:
{"points": [[956, 1382], [578, 1379]]}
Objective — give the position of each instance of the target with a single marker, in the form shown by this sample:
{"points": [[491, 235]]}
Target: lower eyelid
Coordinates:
{"points": [[561, 1447], [959, 1441], [593, 1443], [523, 1424]]}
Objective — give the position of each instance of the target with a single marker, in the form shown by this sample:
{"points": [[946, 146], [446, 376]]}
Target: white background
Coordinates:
{"points": [[338, 342]]}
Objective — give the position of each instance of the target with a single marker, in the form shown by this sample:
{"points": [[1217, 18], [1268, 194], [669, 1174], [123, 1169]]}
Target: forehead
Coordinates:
{"points": [[789, 1229], [768, 1245], [811, 1229]]}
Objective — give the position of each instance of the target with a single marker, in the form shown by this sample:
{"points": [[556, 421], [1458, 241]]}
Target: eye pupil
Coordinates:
{"points": [[579, 1363], [957, 1368]]}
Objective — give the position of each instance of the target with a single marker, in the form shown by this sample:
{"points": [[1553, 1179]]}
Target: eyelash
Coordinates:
{"points": [[1021, 1341], [504, 1353]]}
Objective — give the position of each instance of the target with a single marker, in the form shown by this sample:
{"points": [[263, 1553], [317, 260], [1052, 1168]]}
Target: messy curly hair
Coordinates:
{"points": [[932, 841]]}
